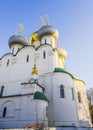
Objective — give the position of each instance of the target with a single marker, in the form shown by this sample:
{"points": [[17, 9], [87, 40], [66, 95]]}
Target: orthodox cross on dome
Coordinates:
{"points": [[47, 20], [21, 28], [43, 21]]}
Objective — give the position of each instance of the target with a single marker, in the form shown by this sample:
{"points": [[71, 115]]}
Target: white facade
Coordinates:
{"points": [[48, 96]]}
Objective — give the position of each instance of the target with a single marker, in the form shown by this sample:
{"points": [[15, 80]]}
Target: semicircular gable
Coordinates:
{"points": [[25, 49], [8, 109], [8, 102], [44, 46], [7, 55]]}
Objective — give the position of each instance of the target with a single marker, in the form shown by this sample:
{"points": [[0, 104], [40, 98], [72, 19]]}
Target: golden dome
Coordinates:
{"points": [[34, 38], [34, 70], [62, 52]]}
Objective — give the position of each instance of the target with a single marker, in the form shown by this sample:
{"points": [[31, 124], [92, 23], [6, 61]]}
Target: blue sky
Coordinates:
{"points": [[72, 18]]}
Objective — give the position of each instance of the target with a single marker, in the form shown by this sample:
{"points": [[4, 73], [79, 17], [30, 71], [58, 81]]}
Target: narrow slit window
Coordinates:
{"points": [[72, 90], [4, 111], [13, 50], [27, 59], [2, 89], [7, 62], [44, 54], [45, 41], [79, 97], [62, 93]]}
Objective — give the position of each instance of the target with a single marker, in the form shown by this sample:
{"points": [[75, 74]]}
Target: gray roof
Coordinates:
{"points": [[49, 30], [17, 39]]}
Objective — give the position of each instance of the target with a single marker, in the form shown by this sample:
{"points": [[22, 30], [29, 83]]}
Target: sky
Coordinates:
{"points": [[72, 18]]}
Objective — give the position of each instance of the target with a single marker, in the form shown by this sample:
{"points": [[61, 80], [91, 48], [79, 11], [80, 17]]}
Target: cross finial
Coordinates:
{"points": [[47, 20], [21, 28], [42, 20]]}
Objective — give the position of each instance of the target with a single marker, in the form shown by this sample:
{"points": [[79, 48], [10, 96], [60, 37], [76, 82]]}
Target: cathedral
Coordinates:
{"points": [[36, 89]]}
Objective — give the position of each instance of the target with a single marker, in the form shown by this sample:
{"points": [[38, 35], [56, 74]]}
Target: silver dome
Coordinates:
{"points": [[17, 39], [47, 30]]}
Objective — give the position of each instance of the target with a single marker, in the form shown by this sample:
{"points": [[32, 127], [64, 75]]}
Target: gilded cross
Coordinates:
{"points": [[21, 28], [42, 20]]}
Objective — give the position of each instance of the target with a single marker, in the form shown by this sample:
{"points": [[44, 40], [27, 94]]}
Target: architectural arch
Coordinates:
{"points": [[8, 109]]}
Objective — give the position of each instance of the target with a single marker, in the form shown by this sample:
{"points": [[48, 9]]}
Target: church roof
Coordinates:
{"points": [[64, 71], [48, 30], [39, 95], [17, 39]]}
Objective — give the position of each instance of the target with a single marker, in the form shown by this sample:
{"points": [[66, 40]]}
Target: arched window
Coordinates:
{"points": [[72, 93], [2, 89], [4, 111], [44, 54], [7, 62], [13, 50], [27, 58], [62, 93], [79, 97]]}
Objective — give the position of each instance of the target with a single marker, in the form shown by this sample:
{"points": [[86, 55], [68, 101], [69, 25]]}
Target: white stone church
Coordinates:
{"points": [[36, 90]]}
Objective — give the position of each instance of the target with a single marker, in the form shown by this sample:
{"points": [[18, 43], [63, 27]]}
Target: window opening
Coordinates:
{"points": [[44, 54], [27, 59], [79, 97], [62, 94], [4, 111], [13, 50], [7, 62], [2, 89], [72, 90]]}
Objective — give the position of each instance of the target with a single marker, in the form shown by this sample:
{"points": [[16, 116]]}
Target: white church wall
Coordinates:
{"points": [[48, 84], [65, 107], [41, 111], [30, 88], [18, 67], [13, 106], [82, 105], [12, 88], [5, 68], [45, 59], [58, 112], [22, 69], [22, 111]]}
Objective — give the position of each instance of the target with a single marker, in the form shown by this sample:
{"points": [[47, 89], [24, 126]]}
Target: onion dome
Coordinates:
{"points": [[34, 37], [48, 30], [62, 52], [19, 39]]}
